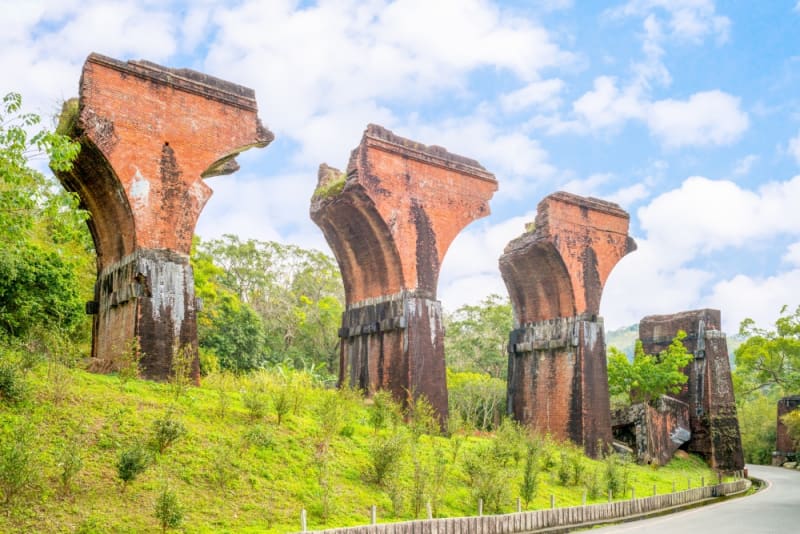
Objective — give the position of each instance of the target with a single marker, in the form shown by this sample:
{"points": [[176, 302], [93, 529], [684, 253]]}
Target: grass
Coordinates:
{"points": [[232, 472]]}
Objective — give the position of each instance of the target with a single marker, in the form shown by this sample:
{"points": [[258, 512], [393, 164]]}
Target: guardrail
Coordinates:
{"points": [[550, 518]]}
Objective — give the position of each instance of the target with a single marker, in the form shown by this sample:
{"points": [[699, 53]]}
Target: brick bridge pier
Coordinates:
{"points": [[389, 220], [555, 273], [149, 136], [709, 390]]}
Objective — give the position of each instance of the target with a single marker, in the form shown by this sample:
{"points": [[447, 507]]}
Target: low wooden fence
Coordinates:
{"points": [[551, 518]]}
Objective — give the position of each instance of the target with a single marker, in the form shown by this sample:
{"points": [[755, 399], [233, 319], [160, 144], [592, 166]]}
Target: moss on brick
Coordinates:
{"points": [[68, 119], [330, 188]]}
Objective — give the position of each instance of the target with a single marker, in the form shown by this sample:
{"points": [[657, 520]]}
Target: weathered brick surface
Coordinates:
{"points": [[654, 432], [709, 390], [784, 446], [558, 380], [389, 221], [149, 135]]}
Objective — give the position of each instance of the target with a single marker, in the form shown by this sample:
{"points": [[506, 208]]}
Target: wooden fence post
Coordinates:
{"points": [[303, 522]]}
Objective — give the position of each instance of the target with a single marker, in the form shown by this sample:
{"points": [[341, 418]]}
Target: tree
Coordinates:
{"points": [[648, 376], [296, 293], [227, 327], [477, 337], [46, 258], [769, 360]]}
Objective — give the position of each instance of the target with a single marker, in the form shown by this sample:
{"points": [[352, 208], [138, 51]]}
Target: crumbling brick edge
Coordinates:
{"points": [[562, 519]]}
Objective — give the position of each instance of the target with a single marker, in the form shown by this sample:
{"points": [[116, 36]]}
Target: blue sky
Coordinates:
{"points": [[685, 112]]}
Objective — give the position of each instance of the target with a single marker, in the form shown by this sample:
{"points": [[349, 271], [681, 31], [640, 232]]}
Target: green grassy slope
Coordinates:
{"points": [[239, 471]]}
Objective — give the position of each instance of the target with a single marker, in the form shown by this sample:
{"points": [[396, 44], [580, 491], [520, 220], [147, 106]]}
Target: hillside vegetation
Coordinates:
{"points": [[246, 454]]}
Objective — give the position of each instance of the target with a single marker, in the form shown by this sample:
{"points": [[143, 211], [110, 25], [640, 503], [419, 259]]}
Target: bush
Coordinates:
{"points": [[69, 462], [168, 510], [166, 431], [17, 466], [131, 463], [385, 454], [255, 399], [530, 474], [384, 410], [487, 478], [12, 382]]}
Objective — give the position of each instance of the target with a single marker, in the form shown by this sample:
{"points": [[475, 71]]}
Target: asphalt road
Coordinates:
{"points": [[775, 509]]}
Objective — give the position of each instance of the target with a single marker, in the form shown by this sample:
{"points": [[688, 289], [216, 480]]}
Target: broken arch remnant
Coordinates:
{"points": [[709, 389], [555, 273], [389, 220], [149, 135]]}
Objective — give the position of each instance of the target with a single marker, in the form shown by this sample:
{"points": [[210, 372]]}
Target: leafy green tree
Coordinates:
{"points": [[46, 259], [227, 327], [648, 376], [477, 337], [769, 360], [296, 293]]}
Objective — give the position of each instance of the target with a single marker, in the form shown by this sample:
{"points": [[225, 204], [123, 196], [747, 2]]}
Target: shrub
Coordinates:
{"points": [[168, 510], [17, 461], [385, 454], [384, 411], [131, 463], [183, 360], [487, 477], [12, 382], [166, 431], [69, 463], [530, 474], [128, 360], [255, 400]]}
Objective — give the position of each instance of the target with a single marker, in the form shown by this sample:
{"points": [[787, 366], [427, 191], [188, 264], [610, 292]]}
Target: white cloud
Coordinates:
{"points": [[797, 7], [757, 298], [542, 93], [45, 44], [706, 118], [641, 284], [792, 255], [793, 148], [470, 271], [706, 215], [333, 57], [589, 186], [690, 20], [518, 161], [627, 196], [744, 165], [606, 106]]}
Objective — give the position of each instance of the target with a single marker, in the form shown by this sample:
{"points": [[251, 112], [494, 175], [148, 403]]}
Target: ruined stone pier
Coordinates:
{"points": [[389, 220], [555, 273], [709, 390], [149, 136], [784, 444]]}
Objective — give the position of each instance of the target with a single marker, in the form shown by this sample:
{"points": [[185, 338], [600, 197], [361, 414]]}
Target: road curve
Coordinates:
{"points": [[775, 509]]}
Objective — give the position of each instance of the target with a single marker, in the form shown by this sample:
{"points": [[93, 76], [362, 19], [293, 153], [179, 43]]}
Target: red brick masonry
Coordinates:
{"points": [[555, 273], [709, 390], [389, 221], [149, 136]]}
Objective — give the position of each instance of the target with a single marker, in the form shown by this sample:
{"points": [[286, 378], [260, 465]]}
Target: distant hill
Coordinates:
{"points": [[623, 338]]}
